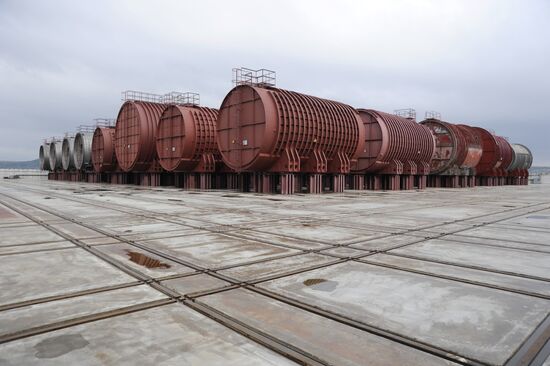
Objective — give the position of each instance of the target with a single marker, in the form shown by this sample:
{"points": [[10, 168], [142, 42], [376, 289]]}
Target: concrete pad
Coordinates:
{"points": [[196, 283], [518, 235], [333, 342], [214, 250], [480, 323], [500, 259], [512, 282], [276, 267], [55, 311], [324, 233], [33, 234], [41, 274], [11, 249], [170, 334]]}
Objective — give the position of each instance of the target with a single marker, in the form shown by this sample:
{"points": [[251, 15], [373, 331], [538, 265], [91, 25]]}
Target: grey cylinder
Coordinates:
{"points": [[522, 158], [55, 154], [44, 156], [83, 150], [67, 155]]}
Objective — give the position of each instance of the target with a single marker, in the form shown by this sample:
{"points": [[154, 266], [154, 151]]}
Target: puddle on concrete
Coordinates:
{"points": [[144, 260], [538, 217], [47, 198], [175, 200], [275, 199], [231, 195], [57, 346], [127, 231], [321, 284]]}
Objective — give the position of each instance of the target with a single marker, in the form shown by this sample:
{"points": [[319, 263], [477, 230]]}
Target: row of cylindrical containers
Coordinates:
{"points": [[266, 129]]}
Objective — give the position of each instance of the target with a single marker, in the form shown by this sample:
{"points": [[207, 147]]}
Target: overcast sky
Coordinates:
{"points": [[486, 63]]}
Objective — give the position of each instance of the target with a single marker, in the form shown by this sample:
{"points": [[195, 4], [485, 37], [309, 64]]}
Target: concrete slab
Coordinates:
{"points": [[333, 342], [511, 282], [500, 259], [276, 267], [41, 274], [171, 334], [480, 323], [55, 311], [195, 283], [213, 250], [28, 234], [25, 248]]}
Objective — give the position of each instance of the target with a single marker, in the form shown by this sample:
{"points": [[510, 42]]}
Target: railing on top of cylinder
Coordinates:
{"points": [[260, 77]]}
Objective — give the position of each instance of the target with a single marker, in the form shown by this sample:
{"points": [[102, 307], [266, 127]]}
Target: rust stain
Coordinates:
{"points": [[146, 261]]}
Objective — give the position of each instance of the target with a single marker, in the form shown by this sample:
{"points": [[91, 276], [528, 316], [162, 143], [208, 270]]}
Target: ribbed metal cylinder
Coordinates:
{"points": [[83, 150], [392, 138], [185, 136], [491, 157], [103, 149], [67, 154], [55, 155], [135, 135], [270, 129], [522, 157], [473, 151], [44, 156], [505, 151]]}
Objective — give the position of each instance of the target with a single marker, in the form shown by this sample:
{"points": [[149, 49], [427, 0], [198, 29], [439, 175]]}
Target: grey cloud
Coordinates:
{"points": [[63, 63]]}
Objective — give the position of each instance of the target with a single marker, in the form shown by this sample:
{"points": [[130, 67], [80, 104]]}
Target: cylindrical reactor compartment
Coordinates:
{"points": [[390, 140], [505, 151], [103, 149], [456, 147], [271, 129], [83, 150], [44, 156], [67, 154], [491, 158], [522, 157], [472, 154], [135, 135], [55, 154], [186, 139]]}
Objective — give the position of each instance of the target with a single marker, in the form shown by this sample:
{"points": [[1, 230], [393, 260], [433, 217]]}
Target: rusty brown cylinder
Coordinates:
{"points": [[186, 137], [270, 129], [491, 158], [392, 138], [103, 149], [506, 152], [456, 146], [135, 135], [473, 150]]}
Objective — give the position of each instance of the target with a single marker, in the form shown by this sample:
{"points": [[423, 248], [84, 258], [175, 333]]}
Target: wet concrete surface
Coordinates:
{"points": [[438, 277]]}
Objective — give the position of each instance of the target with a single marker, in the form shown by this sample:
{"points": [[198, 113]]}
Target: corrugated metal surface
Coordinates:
{"points": [[390, 138], [505, 151], [83, 150], [67, 154], [103, 149], [270, 129], [44, 156], [473, 150], [55, 154], [186, 138], [522, 157], [135, 134], [491, 158]]}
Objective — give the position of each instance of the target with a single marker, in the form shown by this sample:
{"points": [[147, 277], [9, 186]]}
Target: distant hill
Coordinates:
{"points": [[32, 164]]}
